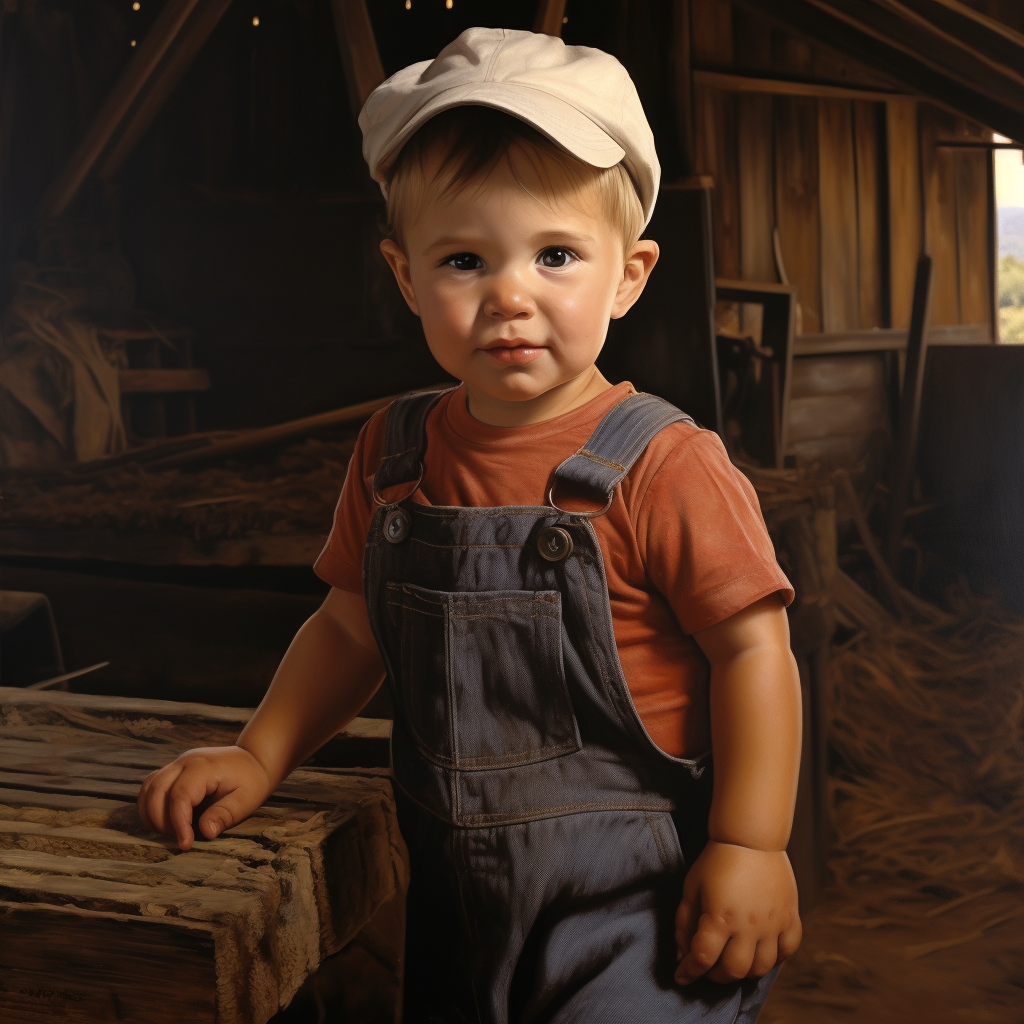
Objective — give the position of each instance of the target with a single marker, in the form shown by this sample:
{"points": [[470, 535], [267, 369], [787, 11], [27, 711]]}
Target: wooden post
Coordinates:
{"points": [[148, 55], [910, 409], [549, 17], [360, 58]]}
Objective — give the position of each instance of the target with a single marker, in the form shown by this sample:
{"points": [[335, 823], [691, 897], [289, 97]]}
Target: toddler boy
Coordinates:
{"points": [[568, 587]]}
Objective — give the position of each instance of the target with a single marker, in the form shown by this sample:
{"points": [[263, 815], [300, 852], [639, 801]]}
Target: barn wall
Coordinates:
{"points": [[856, 189]]}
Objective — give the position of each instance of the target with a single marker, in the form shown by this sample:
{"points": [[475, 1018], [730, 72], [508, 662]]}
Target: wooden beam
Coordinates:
{"points": [[787, 87], [911, 51], [360, 58], [148, 55], [190, 41], [548, 18]]}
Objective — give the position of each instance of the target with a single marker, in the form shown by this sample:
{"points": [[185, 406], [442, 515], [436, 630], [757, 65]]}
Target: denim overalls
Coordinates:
{"points": [[538, 812]]}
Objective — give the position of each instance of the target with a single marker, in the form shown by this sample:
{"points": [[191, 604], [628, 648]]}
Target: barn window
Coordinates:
{"points": [[1010, 211]]}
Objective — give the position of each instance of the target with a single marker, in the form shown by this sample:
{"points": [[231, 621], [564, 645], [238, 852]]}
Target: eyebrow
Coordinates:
{"points": [[453, 243]]}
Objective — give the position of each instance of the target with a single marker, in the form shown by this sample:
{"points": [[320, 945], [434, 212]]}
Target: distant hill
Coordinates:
{"points": [[1011, 231]]}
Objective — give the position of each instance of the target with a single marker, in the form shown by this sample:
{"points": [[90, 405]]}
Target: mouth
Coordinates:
{"points": [[513, 352]]}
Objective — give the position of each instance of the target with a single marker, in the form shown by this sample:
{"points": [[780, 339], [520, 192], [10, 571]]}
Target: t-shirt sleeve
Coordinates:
{"points": [[702, 537], [341, 562]]}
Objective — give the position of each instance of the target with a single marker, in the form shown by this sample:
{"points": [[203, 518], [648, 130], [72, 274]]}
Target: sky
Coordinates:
{"points": [[1009, 177]]}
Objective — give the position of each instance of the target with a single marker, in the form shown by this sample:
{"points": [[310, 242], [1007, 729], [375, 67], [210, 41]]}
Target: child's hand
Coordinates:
{"points": [[738, 917], [230, 776]]}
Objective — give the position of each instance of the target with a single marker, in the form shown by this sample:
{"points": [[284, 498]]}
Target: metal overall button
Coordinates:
{"points": [[554, 543], [397, 525]]}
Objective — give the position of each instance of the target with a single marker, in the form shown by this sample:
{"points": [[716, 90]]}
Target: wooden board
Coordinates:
{"points": [[837, 190], [866, 124], [757, 202], [904, 205], [974, 242], [940, 224], [226, 932], [796, 201], [837, 409]]}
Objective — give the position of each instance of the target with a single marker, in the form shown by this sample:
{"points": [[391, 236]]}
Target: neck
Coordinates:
{"points": [[556, 402]]}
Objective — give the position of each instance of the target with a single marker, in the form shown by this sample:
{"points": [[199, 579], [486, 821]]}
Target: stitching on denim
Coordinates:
{"points": [[600, 460]]}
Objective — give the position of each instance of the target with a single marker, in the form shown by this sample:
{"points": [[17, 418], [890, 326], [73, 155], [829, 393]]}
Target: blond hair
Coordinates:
{"points": [[472, 141]]}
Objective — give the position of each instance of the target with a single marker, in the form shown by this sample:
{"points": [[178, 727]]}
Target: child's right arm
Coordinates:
{"points": [[327, 675]]}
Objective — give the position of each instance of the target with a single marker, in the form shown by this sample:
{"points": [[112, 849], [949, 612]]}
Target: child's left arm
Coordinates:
{"points": [[739, 917]]}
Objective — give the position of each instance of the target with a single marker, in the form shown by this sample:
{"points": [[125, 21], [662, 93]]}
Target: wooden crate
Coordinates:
{"points": [[101, 920]]}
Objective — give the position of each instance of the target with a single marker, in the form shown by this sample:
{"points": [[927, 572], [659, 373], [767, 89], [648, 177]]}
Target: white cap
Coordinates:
{"points": [[581, 98]]}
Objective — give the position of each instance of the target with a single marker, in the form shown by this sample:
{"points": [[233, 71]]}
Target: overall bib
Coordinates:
{"points": [[546, 864]]}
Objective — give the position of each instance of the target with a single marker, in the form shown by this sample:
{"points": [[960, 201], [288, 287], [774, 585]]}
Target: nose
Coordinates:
{"points": [[508, 299]]}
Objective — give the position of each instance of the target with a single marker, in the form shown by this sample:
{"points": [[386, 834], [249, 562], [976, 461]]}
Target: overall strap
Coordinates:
{"points": [[404, 439], [618, 441]]}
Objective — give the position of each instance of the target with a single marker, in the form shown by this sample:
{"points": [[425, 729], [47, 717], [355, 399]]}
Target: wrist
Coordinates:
{"points": [[753, 848]]}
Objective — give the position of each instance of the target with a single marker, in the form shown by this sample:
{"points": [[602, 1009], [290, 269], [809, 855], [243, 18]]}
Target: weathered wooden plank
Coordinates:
{"points": [[294, 882], [837, 193], [866, 122], [835, 375], [112, 967], [796, 202], [940, 199], [905, 205], [757, 200], [974, 244], [716, 155]]}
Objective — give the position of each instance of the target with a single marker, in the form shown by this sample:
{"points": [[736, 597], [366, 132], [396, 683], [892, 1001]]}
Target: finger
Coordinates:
{"points": [[686, 924], [155, 789], [189, 790], [789, 940], [228, 810], [766, 956], [734, 961], [708, 942]]}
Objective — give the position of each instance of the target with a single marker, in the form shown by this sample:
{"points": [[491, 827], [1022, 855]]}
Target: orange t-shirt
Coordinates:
{"points": [[684, 543]]}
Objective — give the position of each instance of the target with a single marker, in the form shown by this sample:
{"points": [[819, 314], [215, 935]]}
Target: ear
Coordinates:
{"points": [[399, 264], [639, 263]]}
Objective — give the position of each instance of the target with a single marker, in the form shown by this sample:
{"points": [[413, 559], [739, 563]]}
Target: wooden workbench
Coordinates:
{"points": [[101, 920]]}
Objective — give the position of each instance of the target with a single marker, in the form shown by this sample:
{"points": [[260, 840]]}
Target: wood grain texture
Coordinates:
{"points": [[837, 191], [757, 200], [941, 217], [796, 201], [245, 918], [716, 155], [974, 242], [866, 122], [905, 205]]}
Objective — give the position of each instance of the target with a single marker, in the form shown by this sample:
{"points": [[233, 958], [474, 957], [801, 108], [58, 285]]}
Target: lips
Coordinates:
{"points": [[514, 352]]}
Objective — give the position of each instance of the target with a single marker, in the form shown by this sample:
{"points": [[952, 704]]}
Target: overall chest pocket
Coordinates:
{"points": [[480, 677]]}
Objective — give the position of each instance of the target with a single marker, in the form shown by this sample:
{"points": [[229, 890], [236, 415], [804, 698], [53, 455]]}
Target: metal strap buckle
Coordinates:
{"points": [[586, 515], [384, 504]]}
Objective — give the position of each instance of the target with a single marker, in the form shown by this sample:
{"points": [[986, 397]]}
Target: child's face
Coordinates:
{"points": [[515, 291]]}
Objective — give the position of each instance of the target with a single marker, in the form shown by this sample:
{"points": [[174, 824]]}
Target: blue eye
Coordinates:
{"points": [[556, 257], [463, 261]]}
